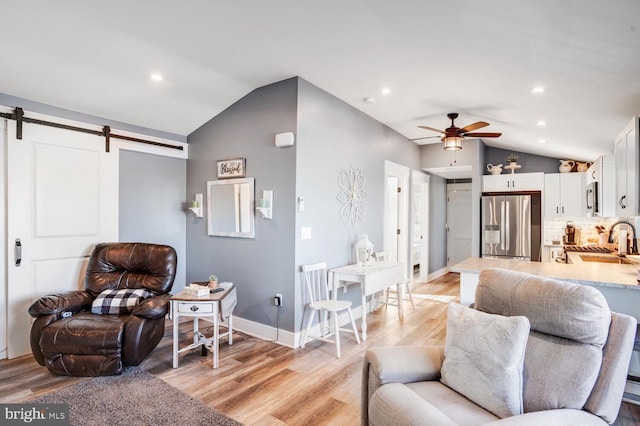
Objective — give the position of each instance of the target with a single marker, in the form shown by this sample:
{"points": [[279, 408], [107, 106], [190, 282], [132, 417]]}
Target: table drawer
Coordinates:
{"points": [[195, 307]]}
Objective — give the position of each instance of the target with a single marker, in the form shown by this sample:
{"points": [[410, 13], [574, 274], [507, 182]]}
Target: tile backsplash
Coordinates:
{"points": [[554, 228]]}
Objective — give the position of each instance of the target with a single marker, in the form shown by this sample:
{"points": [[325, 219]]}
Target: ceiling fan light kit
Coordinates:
{"points": [[452, 143], [453, 136]]}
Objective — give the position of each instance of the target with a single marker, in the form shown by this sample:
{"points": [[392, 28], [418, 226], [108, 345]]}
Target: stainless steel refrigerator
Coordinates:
{"points": [[506, 226]]}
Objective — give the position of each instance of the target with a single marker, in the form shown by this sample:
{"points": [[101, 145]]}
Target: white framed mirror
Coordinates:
{"points": [[230, 207]]}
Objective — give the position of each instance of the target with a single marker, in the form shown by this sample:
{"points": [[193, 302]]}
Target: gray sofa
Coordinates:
{"points": [[572, 370]]}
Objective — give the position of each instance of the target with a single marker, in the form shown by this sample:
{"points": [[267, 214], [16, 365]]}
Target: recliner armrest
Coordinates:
{"points": [[153, 307], [72, 301], [398, 364], [405, 364]]}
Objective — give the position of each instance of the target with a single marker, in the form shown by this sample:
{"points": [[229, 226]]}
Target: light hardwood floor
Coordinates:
{"points": [[261, 383]]}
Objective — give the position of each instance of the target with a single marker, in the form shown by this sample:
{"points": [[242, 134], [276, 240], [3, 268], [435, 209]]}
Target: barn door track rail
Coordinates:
{"points": [[18, 115]]}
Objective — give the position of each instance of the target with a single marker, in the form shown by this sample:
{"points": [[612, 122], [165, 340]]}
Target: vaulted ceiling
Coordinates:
{"points": [[480, 59]]}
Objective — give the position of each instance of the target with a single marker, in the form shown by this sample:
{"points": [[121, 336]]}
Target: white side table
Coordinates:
{"points": [[213, 308]]}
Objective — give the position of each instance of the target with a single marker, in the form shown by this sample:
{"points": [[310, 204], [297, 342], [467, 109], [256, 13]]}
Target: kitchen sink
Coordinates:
{"points": [[606, 259]]}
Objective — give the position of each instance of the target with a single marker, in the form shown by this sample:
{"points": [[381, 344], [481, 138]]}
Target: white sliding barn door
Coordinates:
{"points": [[62, 199]]}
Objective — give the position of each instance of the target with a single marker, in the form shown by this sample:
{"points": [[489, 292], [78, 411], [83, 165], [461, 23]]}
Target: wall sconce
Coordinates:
{"points": [[265, 204], [196, 205]]}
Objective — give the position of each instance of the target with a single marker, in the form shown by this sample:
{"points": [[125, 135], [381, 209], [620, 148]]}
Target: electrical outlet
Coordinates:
{"points": [[277, 299]]}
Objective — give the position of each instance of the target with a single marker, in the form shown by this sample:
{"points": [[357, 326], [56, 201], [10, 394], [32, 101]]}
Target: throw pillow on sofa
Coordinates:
{"points": [[484, 356], [118, 301]]}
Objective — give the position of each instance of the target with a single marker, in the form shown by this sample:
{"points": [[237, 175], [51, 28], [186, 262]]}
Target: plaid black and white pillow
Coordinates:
{"points": [[118, 301]]}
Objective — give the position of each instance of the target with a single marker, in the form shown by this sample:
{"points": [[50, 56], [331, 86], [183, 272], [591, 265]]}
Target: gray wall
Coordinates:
{"points": [[437, 223], [530, 163], [153, 203], [331, 136], [262, 266]]}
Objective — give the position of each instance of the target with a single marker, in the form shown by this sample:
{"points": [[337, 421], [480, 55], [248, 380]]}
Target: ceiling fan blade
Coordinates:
{"points": [[474, 126], [426, 137], [431, 128], [482, 135]]}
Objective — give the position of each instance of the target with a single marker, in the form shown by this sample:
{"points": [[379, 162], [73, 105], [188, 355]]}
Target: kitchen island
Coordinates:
{"points": [[617, 282]]}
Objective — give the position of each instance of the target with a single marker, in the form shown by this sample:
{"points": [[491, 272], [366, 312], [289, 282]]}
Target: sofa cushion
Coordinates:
{"points": [[483, 358], [118, 301]]}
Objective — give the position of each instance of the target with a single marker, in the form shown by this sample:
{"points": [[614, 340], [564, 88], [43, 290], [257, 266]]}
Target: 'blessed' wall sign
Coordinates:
{"points": [[232, 168]]}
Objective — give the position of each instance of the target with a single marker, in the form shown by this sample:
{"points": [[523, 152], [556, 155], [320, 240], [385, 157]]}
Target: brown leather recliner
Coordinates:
{"points": [[70, 340]]}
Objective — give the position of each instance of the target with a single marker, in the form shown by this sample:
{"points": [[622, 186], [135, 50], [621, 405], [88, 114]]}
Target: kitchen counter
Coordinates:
{"points": [[580, 272], [618, 283]]}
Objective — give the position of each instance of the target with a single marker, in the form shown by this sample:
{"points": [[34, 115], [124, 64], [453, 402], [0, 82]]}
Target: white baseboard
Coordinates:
{"points": [[438, 273], [287, 338]]}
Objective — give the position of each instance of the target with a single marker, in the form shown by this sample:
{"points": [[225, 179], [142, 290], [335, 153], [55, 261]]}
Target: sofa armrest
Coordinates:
{"points": [[563, 416], [71, 301], [154, 307], [398, 364]]}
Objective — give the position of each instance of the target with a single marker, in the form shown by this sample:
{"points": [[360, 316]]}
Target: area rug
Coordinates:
{"points": [[133, 398]]}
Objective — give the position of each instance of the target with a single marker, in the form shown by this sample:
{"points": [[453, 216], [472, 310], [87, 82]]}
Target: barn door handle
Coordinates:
{"points": [[18, 252]]}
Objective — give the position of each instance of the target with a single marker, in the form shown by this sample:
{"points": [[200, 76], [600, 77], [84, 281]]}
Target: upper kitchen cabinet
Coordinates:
{"points": [[626, 157], [564, 195], [513, 182], [601, 187]]}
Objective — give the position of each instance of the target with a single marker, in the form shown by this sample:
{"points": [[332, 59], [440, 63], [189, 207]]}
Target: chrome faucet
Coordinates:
{"points": [[634, 243]]}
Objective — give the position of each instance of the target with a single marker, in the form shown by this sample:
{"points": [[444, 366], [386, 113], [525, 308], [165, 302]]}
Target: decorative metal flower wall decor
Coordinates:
{"points": [[351, 195]]}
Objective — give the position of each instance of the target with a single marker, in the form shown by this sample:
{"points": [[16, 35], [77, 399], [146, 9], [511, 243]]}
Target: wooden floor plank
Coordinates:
{"points": [[262, 383]]}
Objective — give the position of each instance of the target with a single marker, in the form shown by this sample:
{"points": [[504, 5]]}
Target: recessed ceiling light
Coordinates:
{"points": [[156, 77], [537, 89], [542, 141], [385, 91], [369, 100], [541, 123]]}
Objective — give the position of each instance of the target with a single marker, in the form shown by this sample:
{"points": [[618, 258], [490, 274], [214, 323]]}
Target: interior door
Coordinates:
{"points": [[458, 223], [392, 246], [62, 197]]}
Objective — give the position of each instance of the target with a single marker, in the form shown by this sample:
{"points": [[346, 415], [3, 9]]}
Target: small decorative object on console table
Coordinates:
{"points": [[213, 281]]}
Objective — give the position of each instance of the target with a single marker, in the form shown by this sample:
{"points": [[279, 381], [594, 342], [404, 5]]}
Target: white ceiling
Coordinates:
{"points": [[477, 58]]}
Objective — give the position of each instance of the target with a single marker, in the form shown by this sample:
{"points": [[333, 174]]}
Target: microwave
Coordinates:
{"points": [[593, 208]]}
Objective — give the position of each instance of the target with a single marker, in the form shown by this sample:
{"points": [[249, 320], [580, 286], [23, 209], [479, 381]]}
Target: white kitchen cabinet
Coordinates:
{"points": [[626, 158], [564, 195], [603, 173], [513, 182]]}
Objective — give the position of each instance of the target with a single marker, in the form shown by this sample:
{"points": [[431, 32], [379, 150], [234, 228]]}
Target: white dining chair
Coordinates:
{"points": [[391, 295], [318, 293]]}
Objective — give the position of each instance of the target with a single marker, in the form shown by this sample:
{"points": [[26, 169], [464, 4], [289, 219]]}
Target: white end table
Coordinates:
{"points": [[213, 308]]}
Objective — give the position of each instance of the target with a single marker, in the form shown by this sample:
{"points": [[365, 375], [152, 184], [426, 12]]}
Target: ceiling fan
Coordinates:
{"points": [[452, 136]]}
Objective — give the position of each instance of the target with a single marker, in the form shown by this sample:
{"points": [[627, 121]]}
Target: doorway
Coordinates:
{"points": [[396, 213], [459, 230], [419, 226]]}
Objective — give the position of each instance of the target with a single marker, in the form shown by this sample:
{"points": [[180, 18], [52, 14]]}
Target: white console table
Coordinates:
{"points": [[372, 279], [214, 308]]}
